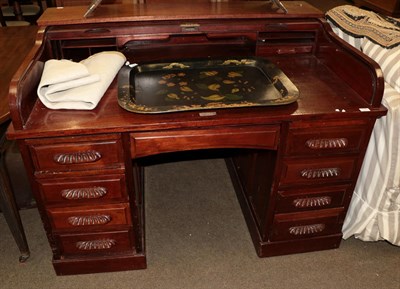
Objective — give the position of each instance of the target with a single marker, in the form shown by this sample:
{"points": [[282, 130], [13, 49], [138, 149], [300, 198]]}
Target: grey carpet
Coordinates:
{"points": [[197, 238]]}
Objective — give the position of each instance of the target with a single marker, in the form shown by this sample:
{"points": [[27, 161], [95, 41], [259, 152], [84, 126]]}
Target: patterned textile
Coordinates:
{"points": [[382, 30], [350, 39], [374, 212]]}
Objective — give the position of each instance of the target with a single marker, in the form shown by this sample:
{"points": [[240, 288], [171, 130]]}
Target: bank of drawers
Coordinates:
{"points": [[82, 185], [319, 164]]}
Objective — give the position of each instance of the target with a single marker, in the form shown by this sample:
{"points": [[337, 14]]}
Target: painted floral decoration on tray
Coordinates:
{"points": [[209, 85]]}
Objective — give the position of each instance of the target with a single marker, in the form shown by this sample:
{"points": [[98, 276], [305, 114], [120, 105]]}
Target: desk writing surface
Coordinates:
{"points": [[321, 99]]}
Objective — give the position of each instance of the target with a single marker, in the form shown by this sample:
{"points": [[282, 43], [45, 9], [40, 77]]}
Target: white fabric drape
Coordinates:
{"points": [[374, 212]]}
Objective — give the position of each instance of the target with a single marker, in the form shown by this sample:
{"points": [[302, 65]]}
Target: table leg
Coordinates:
{"points": [[9, 207]]}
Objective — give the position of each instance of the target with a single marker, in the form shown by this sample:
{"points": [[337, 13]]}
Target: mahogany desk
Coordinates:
{"points": [[294, 166]]}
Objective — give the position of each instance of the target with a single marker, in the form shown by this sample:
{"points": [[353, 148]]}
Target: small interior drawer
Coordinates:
{"points": [[286, 42], [306, 225], [318, 170], [257, 137], [298, 200], [67, 154], [89, 217], [80, 190], [266, 50], [96, 243]]}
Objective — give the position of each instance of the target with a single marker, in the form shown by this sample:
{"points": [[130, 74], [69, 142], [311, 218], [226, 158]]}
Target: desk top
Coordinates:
{"points": [[109, 117], [177, 10], [320, 66], [14, 45]]}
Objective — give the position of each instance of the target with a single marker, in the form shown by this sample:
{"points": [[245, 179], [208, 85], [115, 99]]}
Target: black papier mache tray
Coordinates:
{"points": [[203, 84]]}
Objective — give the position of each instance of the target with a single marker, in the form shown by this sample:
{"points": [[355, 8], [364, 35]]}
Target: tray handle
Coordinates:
{"points": [[124, 85]]}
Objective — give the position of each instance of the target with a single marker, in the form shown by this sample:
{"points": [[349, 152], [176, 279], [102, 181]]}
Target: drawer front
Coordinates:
{"points": [[78, 155], [83, 190], [96, 243], [315, 141], [266, 50], [299, 200], [149, 143], [305, 225], [318, 170], [89, 217]]}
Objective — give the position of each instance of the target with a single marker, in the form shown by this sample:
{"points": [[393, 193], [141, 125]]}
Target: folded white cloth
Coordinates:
{"points": [[71, 85]]}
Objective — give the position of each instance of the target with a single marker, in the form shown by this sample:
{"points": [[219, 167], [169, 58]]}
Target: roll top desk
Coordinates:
{"points": [[293, 166]]}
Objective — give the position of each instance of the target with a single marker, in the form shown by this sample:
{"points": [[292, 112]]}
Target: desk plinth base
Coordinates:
{"points": [[270, 249], [99, 265]]}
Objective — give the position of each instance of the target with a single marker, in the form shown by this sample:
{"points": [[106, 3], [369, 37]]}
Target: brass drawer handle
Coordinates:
{"points": [[312, 202], [89, 220], [77, 158], [327, 143], [84, 193], [307, 229], [320, 173], [102, 244], [190, 27]]}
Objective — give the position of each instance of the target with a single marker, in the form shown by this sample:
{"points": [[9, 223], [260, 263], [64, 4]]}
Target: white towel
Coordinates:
{"points": [[71, 85]]}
